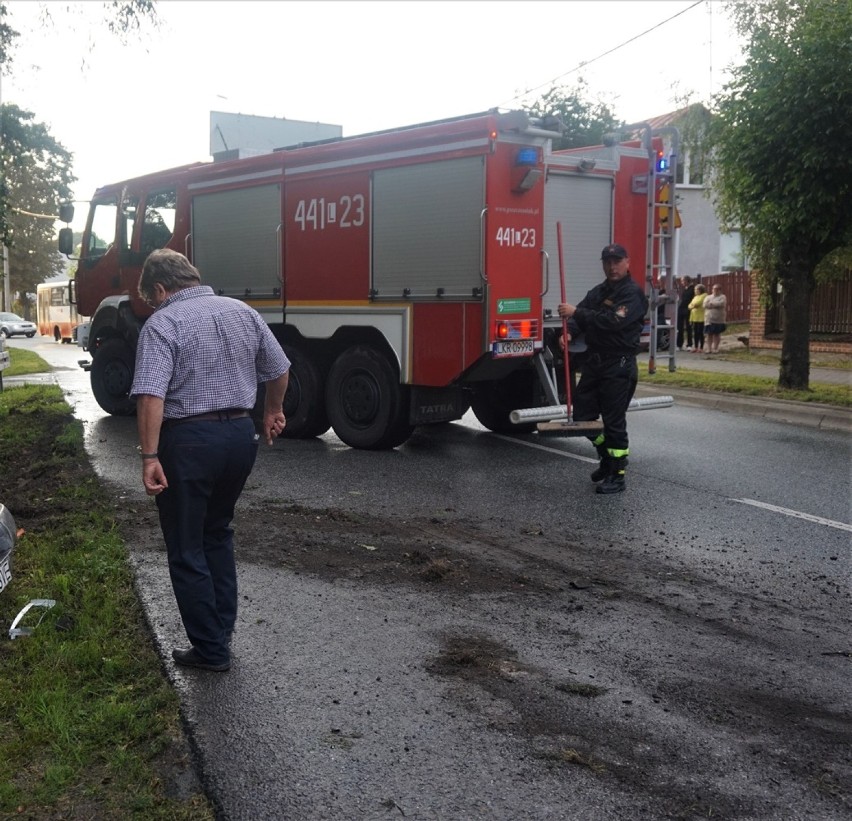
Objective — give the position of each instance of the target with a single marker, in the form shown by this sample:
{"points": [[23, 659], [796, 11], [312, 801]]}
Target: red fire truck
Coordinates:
{"points": [[408, 274]]}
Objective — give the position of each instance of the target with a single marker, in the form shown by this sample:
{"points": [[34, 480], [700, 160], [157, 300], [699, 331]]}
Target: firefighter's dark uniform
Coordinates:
{"points": [[611, 316]]}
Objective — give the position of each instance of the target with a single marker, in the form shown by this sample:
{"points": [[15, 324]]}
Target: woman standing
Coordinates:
{"points": [[715, 309], [696, 317]]}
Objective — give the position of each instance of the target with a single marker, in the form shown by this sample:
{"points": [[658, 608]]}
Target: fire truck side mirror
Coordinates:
{"points": [[66, 241], [66, 211]]}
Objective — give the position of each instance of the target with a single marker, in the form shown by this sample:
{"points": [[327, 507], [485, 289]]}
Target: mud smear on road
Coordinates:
{"points": [[598, 665]]}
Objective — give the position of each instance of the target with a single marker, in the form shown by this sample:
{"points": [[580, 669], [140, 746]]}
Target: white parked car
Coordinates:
{"points": [[5, 360], [663, 336], [14, 325]]}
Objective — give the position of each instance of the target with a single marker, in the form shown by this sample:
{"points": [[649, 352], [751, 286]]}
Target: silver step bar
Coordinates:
{"points": [[556, 412]]}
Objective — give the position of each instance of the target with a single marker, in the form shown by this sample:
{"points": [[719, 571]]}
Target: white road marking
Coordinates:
{"points": [[796, 514], [545, 447]]}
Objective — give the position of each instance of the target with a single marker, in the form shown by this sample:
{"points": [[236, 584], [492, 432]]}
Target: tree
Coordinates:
{"points": [[781, 159], [121, 18], [36, 176], [584, 121], [35, 168], [7, 37]]}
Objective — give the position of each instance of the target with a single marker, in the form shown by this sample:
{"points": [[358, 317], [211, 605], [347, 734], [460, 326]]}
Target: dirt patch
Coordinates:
{"points": [[438, 554]]}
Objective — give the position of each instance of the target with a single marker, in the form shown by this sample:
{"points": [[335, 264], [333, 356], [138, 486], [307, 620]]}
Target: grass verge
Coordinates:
{"points": [[820, 392], [22, 361], [89, 724]]}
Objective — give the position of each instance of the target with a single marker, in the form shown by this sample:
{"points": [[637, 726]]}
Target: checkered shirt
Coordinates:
{"points": [[200, 352]]}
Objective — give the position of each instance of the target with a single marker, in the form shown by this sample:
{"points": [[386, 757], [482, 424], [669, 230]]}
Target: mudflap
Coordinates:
{"points": [[432, 405]]}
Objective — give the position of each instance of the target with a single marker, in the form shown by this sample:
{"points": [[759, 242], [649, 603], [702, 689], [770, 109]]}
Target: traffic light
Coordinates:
{"points": [[662, 163]]}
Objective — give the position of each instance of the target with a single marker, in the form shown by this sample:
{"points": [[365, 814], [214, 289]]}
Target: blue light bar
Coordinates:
{"points": [[527, 156]]}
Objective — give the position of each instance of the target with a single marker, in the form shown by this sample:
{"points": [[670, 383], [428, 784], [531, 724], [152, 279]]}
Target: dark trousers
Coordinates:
{"points": [[684, 327], [698, 333], [206, 464], [605, 389]]}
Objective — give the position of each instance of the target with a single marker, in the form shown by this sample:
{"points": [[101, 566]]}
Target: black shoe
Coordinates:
{"points": [[614, 483], [191, 658], [601, 471], [605, 466]]}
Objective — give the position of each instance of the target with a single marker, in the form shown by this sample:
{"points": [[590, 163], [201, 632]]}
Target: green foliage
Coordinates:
{"points": [[128, 18], [783, 169], [35, 170], [122, 18], [7, 37], [693, 124], [36, 176], [584, 120], [783, 173]]}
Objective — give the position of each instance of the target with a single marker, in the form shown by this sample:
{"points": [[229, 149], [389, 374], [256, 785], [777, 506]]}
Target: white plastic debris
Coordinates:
{"points": [[15, 631]]}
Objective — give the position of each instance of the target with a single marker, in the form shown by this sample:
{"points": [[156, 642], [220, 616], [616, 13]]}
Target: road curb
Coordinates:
{"points": [[29, 379], [808, 414]]}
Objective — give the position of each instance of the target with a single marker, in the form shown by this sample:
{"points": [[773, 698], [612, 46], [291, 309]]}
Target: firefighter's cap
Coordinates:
{"points": [[614, 250]]}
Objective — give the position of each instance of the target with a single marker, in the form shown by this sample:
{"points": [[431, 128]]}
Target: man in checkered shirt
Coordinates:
{"points": [[199, 360]]}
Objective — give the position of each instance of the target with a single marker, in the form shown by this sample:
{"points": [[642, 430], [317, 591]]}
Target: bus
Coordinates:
{"points": [[56, 315]]}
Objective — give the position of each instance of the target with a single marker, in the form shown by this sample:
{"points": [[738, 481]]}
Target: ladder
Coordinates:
{"points": [[661, 285]]}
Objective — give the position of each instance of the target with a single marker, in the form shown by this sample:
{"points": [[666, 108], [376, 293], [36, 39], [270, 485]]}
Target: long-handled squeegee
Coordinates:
{"points": [[567, 426]]}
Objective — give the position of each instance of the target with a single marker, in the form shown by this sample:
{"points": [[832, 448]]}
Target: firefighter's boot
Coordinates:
{"points": [[614, 482], [602, 470]]}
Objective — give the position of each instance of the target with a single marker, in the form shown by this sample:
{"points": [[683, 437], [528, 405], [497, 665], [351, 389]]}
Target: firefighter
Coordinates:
{"points": [[611, 316]]}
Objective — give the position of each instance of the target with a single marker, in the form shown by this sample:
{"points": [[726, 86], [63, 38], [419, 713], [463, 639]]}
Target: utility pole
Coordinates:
{"points": [[7, 302], [7, 296]]}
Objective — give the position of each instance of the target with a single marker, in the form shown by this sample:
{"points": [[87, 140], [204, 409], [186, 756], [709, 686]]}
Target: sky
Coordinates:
{"points": [[129, 109]]}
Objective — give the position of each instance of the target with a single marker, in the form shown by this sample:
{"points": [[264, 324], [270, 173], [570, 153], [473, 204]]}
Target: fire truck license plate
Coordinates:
{"points": [[513, 347], [5, 572]]}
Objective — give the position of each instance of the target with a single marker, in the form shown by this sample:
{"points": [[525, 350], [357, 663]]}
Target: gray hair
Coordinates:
{"points": [[171, 269]]}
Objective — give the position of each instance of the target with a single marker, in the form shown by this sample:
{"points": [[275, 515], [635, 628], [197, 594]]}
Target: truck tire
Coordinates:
{"points": [[367, 406], [304, 402], [494, 401], [112, 375]]}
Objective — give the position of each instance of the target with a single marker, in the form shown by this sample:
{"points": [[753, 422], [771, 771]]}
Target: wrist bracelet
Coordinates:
{"points": [[149, 455]]}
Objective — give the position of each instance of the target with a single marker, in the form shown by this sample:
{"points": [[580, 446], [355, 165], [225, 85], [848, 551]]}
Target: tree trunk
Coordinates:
{"points": [[795, 347]]}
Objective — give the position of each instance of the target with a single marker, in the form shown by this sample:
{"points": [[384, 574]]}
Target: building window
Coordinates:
{"points": [[731, 256]]}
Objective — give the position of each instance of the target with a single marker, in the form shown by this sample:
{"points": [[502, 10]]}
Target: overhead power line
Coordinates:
{"points": [[31, 214], [601, 56]]}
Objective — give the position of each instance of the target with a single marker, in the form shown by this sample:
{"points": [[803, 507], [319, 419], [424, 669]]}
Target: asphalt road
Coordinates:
{"points": [[710, 604]]}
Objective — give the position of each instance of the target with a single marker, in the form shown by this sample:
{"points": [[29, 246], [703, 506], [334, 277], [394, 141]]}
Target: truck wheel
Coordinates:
{"points": [[112, 375], [304, 402], [367, 406], [494, 401]]}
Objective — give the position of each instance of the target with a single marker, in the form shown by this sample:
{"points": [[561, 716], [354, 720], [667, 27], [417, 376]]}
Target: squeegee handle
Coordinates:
{"points": [[565, 359]]}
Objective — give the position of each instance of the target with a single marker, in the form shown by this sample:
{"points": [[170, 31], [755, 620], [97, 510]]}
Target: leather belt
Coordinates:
{"points": [[224, 415], [603, 358]]}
